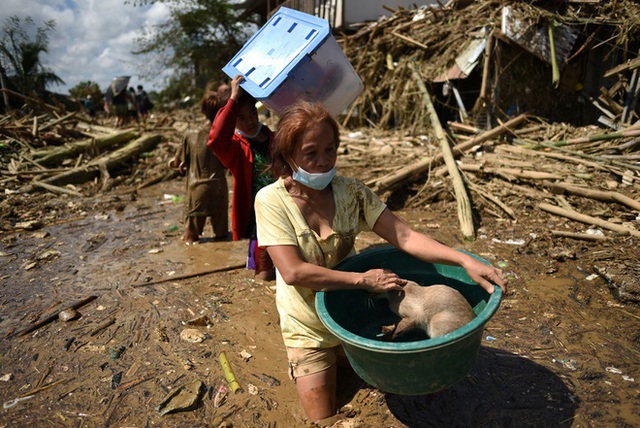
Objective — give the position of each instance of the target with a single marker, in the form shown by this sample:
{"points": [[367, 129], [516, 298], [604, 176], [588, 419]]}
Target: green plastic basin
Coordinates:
{"points": [[414, 367]]}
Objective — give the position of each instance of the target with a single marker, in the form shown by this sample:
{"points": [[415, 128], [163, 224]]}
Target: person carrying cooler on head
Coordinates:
{"points": [[308, 221], [243, 145]]}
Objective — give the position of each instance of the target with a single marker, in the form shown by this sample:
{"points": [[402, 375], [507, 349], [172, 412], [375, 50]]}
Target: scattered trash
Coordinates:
{"points": [[245, 355], [491, 338], [30, 266], [594, 232], [221, 396], [68, 314], [47, 255], [192, 335], [68, 343], [9, 404], [28, 225], [173, 228], [184, 398], [509, 241], [155, 250], [592, 277], [202, 321], [269, 380], [628, 378], [187, 364], [613, 370], [115, 380], [566, 362], [252, 389], [6, 377], [502, 264], [117, 352]]}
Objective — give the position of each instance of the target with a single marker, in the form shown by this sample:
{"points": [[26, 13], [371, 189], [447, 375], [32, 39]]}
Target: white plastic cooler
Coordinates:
{"points": [[293, 57]]}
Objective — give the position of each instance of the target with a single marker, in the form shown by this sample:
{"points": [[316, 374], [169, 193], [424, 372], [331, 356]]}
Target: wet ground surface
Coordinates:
{"points": [[561, 350]]}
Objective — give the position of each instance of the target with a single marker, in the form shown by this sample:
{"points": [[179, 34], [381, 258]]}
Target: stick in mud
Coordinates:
{"points": [[191, 275], [53, 317]]}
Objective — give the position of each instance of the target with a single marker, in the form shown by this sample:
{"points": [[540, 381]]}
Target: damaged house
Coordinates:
{"points": [[573, 61]]}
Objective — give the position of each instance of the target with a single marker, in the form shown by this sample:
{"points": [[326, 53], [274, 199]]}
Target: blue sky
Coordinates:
{"points": [[93, 39]]}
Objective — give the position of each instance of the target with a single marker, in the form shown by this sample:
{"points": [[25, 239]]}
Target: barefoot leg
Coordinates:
{"points": [[317, 394], [191, 234]]}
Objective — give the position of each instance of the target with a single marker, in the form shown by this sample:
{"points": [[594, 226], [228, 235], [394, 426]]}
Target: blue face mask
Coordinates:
{"points": [[254, 135], [314, 181]]}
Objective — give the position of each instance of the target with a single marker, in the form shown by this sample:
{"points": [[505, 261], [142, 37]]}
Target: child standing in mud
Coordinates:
{"points": [[206, 186], [308, 221], [243, 145]]}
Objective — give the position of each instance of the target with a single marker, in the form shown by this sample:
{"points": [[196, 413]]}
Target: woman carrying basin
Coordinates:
{"points": [[308, 221]]}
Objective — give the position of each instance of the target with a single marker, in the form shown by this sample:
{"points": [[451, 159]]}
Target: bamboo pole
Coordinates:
{"points": [[465, 213], [583, 218], [422, 166], [598, 137], [582, 236], [599, 195], [228, 372], [55, 122]]}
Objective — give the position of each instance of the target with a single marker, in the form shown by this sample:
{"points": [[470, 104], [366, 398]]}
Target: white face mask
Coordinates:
{"points": [[314, 181], [254, 135]]}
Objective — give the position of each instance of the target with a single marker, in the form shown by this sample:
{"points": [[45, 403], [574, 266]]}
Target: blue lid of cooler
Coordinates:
{"points": [[277, 49]]}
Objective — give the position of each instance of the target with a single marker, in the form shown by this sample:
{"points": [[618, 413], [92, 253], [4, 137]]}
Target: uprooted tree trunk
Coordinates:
{"points": [[92, 169], [52, 157]]}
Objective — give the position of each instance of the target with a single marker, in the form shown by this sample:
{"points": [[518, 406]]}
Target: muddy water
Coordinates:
{"points": [[560, 351]]}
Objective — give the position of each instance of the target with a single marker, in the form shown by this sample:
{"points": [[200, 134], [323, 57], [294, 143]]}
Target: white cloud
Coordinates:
{"points": [[93, 39]]}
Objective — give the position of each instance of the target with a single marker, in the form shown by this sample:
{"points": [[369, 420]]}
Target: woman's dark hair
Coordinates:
{"points": [[293, 122], [210, 104]]}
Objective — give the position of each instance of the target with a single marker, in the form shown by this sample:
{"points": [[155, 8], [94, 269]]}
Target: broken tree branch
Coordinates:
{"points": [[49, 157], [92, 169], [465, 213]]}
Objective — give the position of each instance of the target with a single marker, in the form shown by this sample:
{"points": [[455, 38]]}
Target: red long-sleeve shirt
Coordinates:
{"points": [[234, 151]]}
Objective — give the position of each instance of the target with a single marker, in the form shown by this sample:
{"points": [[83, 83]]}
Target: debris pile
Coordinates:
{"points": [[45, 147], [567, 61]]}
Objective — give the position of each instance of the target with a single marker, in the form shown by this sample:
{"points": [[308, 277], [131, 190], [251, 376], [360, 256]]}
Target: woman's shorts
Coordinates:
{"points": [[308, 361]]}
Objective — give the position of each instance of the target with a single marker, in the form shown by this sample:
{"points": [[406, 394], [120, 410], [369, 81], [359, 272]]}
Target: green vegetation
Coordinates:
{"points": [[85, 88], [20, 48], [196, 41]]}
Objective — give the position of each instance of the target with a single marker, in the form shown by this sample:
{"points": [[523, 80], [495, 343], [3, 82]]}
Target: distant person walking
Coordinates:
{"points": [[144, 103], [116, 99], [132, 106]]}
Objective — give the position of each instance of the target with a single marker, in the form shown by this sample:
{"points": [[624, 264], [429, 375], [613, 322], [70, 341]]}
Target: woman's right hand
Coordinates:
{"points": [[236, 90], [381, 281]]}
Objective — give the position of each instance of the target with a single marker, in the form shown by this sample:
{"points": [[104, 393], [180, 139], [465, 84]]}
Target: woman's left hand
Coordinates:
{"points": [[486, 275]]}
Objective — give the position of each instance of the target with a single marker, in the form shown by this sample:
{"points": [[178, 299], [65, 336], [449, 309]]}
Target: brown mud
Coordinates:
{"points": [[561, 350]]}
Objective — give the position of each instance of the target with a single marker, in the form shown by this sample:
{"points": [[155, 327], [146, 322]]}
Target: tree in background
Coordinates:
{"points": [[85, 88], [198, 39], [20, 56]]}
